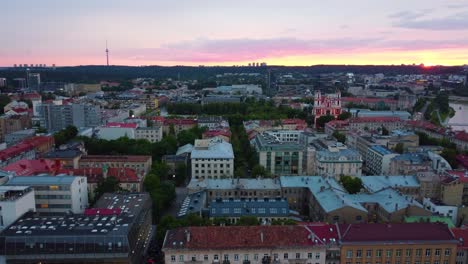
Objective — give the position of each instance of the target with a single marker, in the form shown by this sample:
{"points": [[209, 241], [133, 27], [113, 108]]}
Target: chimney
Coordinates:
{"points": [[187, 235], [104, 174], [261, 236]]}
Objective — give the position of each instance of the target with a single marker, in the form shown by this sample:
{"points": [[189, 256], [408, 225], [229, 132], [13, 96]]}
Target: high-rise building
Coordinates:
{"points": [[3, 82], [57, 117], [34, 81]]}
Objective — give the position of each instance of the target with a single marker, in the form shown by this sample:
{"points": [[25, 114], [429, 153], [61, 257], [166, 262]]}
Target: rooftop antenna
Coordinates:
{"points": [[107, 54]]}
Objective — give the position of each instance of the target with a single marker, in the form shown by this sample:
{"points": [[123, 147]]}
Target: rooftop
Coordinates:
{"points": [[396, 233], [377, 183], [382, 150], [430, 219], [249, 207], [115, 158], [121, 125], [212, 148], [461, 235], [227, 237], [245, 184], [32, 167], [12, 193], [43, 180]]}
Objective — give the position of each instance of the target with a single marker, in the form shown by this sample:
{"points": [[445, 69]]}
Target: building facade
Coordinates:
{"points": [[14, 202], [324, 105], [212, 158]]}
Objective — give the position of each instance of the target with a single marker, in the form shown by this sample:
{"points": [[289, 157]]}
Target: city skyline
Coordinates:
{"points": [[144, 32]]}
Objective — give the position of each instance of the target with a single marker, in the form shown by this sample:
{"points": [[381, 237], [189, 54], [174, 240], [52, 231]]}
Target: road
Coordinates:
{"points": [[181, 192]]}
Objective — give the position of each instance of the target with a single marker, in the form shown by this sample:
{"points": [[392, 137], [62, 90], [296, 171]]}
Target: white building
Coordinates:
{"points": [[117, 130], [56, 194], [337, 161], [378, 160], [212, 158], [441, 209], [14, 202], [152, 134]]}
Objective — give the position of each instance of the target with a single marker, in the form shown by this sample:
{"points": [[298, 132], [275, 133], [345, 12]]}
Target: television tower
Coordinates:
{"points": [[107, 54]]}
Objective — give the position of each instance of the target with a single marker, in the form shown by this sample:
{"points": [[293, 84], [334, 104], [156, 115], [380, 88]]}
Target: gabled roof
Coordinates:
{"points": [[228, 237]]}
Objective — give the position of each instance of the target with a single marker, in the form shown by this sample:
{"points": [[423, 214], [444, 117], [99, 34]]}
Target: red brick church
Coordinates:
{"points": [[329, 104]]}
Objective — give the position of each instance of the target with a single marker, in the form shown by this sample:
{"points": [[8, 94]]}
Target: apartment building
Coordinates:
{"points": [[212, 158], [378, 160], [13, 123], [250, 244], [54, 194], [152, 134], [55, 117], [416, 243], [337, 161], [140, 163]]}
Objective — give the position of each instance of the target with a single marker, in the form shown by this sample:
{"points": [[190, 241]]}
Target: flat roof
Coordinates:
{"points": [[43, 180]]}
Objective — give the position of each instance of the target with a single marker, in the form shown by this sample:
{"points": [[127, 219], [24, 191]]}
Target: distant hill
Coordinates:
{"points": [[97, 73]]}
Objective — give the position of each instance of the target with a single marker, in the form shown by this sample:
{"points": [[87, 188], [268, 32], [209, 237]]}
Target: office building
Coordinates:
{"points": [[212, 158], [56, 194], [337, 161], [116, 230]]}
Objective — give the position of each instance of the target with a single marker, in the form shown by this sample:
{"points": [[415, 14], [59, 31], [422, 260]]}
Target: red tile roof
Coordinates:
{"points": [[15, 150], [461, 235], [395, 232], [461, 135], [32, 167], [115, 158], [121, 125], [463, 160], [427, 126], [179, 121], [215, 133], [228, 237], [462, 175]]}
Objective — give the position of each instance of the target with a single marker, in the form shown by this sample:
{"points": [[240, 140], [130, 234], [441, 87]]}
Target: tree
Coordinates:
{"points": [[450, 155], [107, 185], [181, 174], [399, 148], [63, 136], [248, 221], [259, 170], [339, 136], [385, 131], [321, 121], [351, 184], [4, 100], [345, 115]]}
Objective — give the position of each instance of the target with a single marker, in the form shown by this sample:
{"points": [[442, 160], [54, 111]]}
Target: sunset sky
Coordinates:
{"points": [[233, 32]]}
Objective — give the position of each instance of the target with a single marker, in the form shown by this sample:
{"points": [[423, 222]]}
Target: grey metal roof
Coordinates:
{"points": [[43, 180]]}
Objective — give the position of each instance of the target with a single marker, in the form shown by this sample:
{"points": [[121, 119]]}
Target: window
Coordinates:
{"points": [[236, 257], [285, 256], [309, 255], [436, 262], [298, 255], [275, 256], [447, 252], [428, 252], [256, 257], [181, 258], [172, 258], [317, 255], [359, 253], [216, 257], [226, 257], [389, 253], [246, 257], [349, 254], [418, 252], [205, 257], [378, 253], [194, 258], [437, 252], [368, 253], [408, 252], [398, 252]]}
